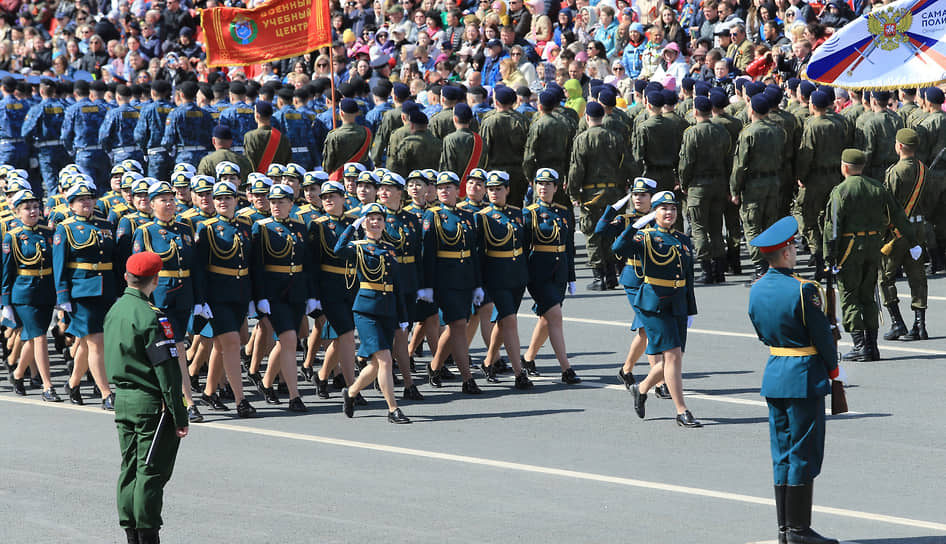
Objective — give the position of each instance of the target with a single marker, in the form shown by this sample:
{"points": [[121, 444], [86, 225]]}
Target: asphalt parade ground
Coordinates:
{"points": [[555, 464]]}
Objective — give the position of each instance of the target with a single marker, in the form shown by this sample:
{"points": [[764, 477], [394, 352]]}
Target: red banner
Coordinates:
{"points": [[275, 30]]}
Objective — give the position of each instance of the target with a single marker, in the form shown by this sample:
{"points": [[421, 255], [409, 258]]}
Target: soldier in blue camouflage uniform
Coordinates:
{"points": [[80, 135], [42, 129], [238, 116], [13, 149], [297, 127], [189, 127], [150, 130], [117, 133]]}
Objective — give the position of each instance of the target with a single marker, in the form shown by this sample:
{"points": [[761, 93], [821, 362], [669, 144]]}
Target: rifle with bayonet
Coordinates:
{"points": [[838, 398]]}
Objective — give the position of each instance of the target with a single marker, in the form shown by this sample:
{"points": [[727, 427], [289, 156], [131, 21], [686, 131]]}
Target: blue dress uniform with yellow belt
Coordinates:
{"points": [[335, 278], [281, 267], [42, 129], [379, 303], [173, 241], [787, 312], [472, 206], [221, 266], [80, 135], [189, 130], [127, 226], [402, 229], [504, 265], [27, 278], [13, 149], [451, 262], [117, 133], [422, 309], [149, 133], [549, 241], [666, 297], [83, 252]]}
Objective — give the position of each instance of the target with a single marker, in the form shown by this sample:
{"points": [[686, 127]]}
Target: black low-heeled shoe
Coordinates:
{"points": [[397, 416], [523, 381], [686, 419], [296, 405], [245, 409], [529, 366], [569, 377], [50, 396], [470, 387], [411, 393], [639, 400], [348, 404], [214, 402], [269, 393], [626, 379]]}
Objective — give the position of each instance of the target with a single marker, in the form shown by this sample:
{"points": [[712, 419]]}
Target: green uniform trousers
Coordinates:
{"points": [[705, 205], [857, 280], [759, 210], [140, 486], [733, 225], [810, 203], [593, 204], [916, 274]]}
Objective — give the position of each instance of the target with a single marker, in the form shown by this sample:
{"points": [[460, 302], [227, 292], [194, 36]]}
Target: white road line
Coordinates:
{"points": [[930, 297], [534, 469], [713, 332]]}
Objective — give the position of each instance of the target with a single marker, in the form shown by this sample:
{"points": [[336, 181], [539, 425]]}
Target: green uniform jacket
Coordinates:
{"points": [[441, 124], [416, 151], [255, 142], [819, 153], [547, 145], [656, 143], [704, 155], [901, 181], [932, 132], [860, 204], [758, 154], [504, 140], [209, 163], [390, 121], [341, 145], [596, 158], [140, 354], [875, 135], [457, 151]]}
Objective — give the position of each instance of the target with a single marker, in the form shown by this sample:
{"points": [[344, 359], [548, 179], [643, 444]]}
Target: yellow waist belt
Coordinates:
{"points": [[599, 186], [234, 272], [333, 269], [406, 259], [377, 286], [282, 269], [633, 262], [174, 274], [861, 233], [453, 254], [504, 254], [35, 271], [89, 266], [664, 283], [541, 248], [793, 352]]}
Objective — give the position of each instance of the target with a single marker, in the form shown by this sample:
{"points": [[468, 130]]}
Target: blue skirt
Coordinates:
{"points": [[34, 320], [546, 295], [286, 317], [88, 316], [664, 332], [228, 316], [423, 310], [631, 294], [375, 333], [339, 316], [454, 304], [506, 302]]}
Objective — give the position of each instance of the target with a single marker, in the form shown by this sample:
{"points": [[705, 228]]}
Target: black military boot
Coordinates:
{"points": [[611, 277], [706, 268], [719, 270], [734, 259], [132, 536], [870, 341], [820, 273], [148, 536], [798, 517], [860, 352], [918, 332], [780, 513], [897, 327], [598, 283]]}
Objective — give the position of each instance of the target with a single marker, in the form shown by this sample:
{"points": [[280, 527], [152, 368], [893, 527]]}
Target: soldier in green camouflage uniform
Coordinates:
{"points": [[656, 144], [730, 211], [875, 134], [390, 121], [504, 140], [458, 146], [789, 125], [546, 143], [441, 124], [932, 133], [418, 150]]}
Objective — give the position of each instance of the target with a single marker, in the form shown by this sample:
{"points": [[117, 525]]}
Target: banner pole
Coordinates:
{"points": [[331, 63]]}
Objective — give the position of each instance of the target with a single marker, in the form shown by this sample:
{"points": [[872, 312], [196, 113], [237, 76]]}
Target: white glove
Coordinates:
{"points": [[835, 270], [207, 313], [427, 295], [403, 325], [66, 307], [644, 220], [842, 375], [689, 321], [359, 221], [199, 309], [263, 306], [478, 296], [6, 313], [571, 288], [251, 310], [312, 305], [915, 252], [620, 203]]}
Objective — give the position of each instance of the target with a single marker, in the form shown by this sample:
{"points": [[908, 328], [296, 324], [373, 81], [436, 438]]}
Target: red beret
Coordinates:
{"points": [[144, 264]]}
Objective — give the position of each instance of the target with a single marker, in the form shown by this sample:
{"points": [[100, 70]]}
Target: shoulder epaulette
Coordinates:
{"points": [[265, 221], [210, 221], [43, 226], [513, 207], [67, 221], [483, 211], [322, 219], [15, 231], [245, 220], [559, 206], [532, 207], [433, 208]]}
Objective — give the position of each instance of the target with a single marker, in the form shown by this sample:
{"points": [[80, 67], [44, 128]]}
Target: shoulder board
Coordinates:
{"points": [[559, 206], [513, 207], [210, 221], [484, 211], [68, 221], [146, 225], [43, 226], [433, 208], [297, 221], [190, 213], [266, 221], [531, 207], [244, 220], [322, 219], [360, 242], [14, 232]]}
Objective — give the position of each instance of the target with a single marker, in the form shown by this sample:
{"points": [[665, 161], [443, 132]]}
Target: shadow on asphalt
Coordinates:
{"points": [[499, 415], [905, 540]]}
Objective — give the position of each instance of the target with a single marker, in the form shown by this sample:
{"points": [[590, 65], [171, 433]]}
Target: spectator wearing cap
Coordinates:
{"points": [[189, 127], [390, 121], [149, 131], [875, 134], [671, 64], [632, 55], [42, 129], [266, 144], [297, 127], [545, 144], [417, 150], [504, 138], [80, 134], [117, 133], [754, 183], [223, 151], [462, 149], [494, 53], [348, 143]]}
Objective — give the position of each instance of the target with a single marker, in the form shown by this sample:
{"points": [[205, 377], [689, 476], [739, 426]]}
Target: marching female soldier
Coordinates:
{"points": [[28, 293], [130, 222], [475, 201], [550, 244], [665, 302], [261, 340], [199, 352], [309, 212], [83, 248], [222, 288], [425, 313], [283, 289], [379, 306], [181, 183]]}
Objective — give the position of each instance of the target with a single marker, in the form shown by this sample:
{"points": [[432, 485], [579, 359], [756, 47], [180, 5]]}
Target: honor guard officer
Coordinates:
{"points": [[283, 287], [350, 174], [665, 302], [335, 286], [222, 288], [348, 143], [418, 149], [83, 252], [379, 307], [189, 127], [549, 243], [173, 242], [462, 149], [42, 129], [265, 145], [181, 183], [224, 152], [28, 293], [238, 116], [117, 133], [80, 134], [130, 222], [297, 127], [149, 131], [788, 315], [13, 148], [142, 362], [113, 196], [505, 272], [451, 277]]}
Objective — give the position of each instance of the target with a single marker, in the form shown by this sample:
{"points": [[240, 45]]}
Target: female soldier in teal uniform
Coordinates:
{"points": [[451, 277], [308, 213], [379, 306], [665, 302], [505, 271], [425, 313], [549, 241], [475, 201], [283, 288], [173, 241], [27, 292], [222, 288], [130, 222]]}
